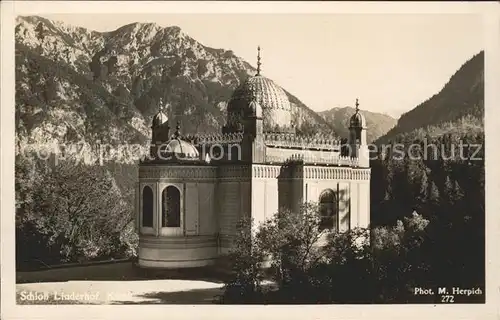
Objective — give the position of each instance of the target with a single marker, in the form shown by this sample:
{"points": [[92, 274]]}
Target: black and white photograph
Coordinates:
{"points": [[212, 158]]}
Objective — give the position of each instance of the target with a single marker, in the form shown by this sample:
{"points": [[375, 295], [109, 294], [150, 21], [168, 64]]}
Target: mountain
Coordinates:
{"points": [[459, 104], [78, 85], [378, 124]]}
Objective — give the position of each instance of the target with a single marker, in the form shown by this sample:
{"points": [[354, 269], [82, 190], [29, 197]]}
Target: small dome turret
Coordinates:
{"points": [[179, 150], [160, 118], [357, 119]]}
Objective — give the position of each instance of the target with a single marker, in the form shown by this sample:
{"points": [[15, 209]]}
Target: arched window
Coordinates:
{"points": [[147, 207], [328, 210], [171, 207]]}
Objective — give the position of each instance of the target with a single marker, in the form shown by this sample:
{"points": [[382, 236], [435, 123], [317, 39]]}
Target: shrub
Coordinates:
{"points": [[309, 265]]}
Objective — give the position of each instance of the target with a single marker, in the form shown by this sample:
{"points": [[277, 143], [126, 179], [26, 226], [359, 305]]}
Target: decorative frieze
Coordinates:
{"points": [[283, 140], [208, 139], [280, 140], [309, 157], [245, 172], [177, 172]]}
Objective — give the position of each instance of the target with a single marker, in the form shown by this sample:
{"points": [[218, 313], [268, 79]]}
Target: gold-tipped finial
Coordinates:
{"points": [[258, 61], [357, 105]]}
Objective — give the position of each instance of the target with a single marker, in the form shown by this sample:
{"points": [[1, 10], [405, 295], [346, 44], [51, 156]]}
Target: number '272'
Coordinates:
{"points": [[447, 299]]}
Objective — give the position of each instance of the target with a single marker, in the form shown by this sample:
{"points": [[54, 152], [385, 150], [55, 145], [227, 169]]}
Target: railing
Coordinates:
{"points": [[271, 139], [311, 158], [215, 138], [302, 142]]}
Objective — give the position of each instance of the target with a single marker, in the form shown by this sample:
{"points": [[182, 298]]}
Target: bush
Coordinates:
{"points": [[399, 258], [308, 265], [292, 243]]}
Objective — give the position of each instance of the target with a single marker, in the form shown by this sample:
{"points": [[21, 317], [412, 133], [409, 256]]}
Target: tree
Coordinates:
{"points": [[96, 64], [433, 194], [423, 194], [312, 266], [155, 49], [79, 209], [291, 240], [345, 275], [399, 263], [453, 201], [40, 32], [111, 64], [246, 259], [285, 246]]}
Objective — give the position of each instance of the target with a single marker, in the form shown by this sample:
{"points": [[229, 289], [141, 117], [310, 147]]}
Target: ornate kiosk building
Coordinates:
{"points": [[193, 190]]}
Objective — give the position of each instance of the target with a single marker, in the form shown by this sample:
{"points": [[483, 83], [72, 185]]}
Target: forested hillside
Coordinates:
{"points": [[462, 96], [432, 162]]}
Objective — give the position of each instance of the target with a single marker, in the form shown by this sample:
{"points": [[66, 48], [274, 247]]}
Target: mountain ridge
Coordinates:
{"points": [[71, 82], [378, 123], [461, 99], [125, 72]]}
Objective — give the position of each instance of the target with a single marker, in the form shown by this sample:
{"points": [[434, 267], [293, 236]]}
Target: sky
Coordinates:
{"points": [[391, 62]]}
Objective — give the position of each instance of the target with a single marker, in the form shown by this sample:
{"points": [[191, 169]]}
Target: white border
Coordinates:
{"points": [[9, 310]]}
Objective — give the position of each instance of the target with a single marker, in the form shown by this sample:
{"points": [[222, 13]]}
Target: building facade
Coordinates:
{"points": [[193, 190]]}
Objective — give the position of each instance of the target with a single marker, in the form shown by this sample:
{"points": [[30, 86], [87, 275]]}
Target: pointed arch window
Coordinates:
{"points": [[171, 207], [328, 211], [147, 207]]}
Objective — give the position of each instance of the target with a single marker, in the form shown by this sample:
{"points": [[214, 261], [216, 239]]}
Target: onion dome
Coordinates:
{"points": [[357, 119], [272, 99], [160, 118], [182, 150], [178, 149]]}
